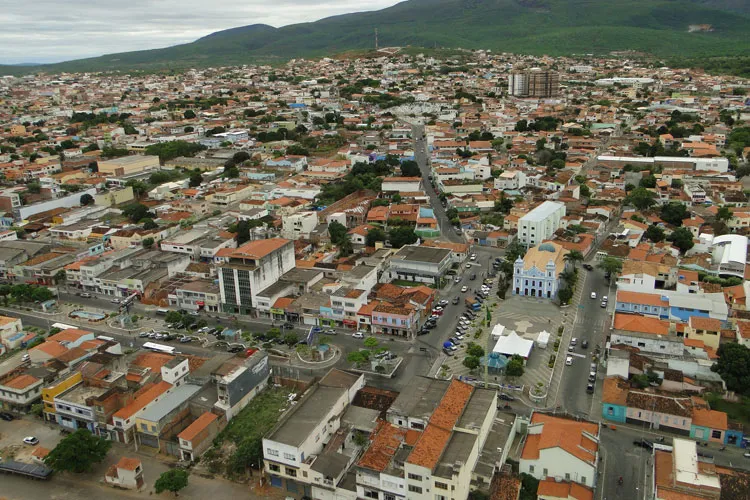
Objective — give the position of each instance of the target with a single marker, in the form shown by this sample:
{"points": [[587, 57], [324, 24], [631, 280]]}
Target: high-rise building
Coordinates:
{"points": [[534, 82]]}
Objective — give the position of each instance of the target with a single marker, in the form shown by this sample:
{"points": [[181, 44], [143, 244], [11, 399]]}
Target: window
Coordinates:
{"points": [[417, 425], [583, 479], [389, 497], [716, 434], [441, 486], [544, 472], [274, 468], [567, 476], [531, 469], [415, 489], [290, 472], [415, 477], [371, 494], [271, 452], [144, 427], [289, 456]]}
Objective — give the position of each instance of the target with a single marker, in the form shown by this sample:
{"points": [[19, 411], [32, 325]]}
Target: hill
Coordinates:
{"points": [[554, 27]]}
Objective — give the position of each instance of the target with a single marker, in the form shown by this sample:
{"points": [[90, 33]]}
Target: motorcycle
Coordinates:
{"points": [[619, 481], [722, 448]]}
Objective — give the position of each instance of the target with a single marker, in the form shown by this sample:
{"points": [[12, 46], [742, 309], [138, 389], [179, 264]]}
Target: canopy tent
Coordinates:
{"points": [[512, 344], [497, 331], [543, 339]]}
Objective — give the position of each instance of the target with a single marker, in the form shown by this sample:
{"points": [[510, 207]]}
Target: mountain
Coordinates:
{"points": [[554, 27]]}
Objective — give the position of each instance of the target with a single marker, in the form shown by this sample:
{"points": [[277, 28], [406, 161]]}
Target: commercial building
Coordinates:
{"points": [[684, 473], [540, 223], [538, 273], [128, 165], [420, 264], [252, 268]]}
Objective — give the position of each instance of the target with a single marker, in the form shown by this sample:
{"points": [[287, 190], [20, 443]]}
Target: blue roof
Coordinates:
{"points": [[494, 360], [426, 212]]}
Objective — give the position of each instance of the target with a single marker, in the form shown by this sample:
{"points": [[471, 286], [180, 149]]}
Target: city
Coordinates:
{"points": [[396, 275]]}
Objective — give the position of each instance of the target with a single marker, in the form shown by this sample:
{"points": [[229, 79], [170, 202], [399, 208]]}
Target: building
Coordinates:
{"points": [[684, 473], [420, 264], [128, 165], [18, 391], [198, 436], [541, 223], [729, 253], [298, 225], [536, 83], [252, 268], [239, 380], [561, 448], [127, 474], [538, 273]]}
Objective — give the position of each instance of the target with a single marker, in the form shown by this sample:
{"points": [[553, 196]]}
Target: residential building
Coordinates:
{"points": [[197, 437], [154, 426], [127, 473], [540, 223], [536, 83], [239, 380], [19, 390], [538, 273], [684, 473], [299, 225]]}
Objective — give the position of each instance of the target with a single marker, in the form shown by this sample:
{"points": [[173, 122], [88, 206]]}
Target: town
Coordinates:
{"points": [[389, 275]]}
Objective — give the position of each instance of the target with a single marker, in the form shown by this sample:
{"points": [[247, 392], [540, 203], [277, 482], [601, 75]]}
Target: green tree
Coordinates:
{"points": [[514, 368], [410, 168], [403, 235], [78, 452], [86, 199], [243, 232], [149, 223], [724, 214], [471, 362], [654, 233], [373, 235], [648, 181], [565, 294], [682, 238], [358, 357], [610, 265], [396, 198], [371, 342], [674, 213], [641, 198], [291, 339], [170, 150], [337, 232], [172, 480], [61, 276], [173, 317], [148, 242], [734, 367], [139, 187], [196, 179], [573, 256], [346, 248], [41, 294], [189, 114], [474, 350]]}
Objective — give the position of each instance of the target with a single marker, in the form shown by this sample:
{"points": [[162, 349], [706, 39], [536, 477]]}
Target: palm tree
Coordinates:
{"points": [[573, 256]]}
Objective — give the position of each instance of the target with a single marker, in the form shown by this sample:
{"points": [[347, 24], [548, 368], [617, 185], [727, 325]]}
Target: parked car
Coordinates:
{"points": [[115, 301], [7, 416], [574, 340], [30, 440], [330, 331], [287, 326], [358, 335], [590, 388], [568, 361], [457, 279], [604, 304], [447, 352], [86, 295], [185, 339], [464, 289], [473, 277], [473, 256], [505, 397], [454, 341], [588, 267], [585, 344], [443, 303], [456, 299], [644, 443], [235, 349]]}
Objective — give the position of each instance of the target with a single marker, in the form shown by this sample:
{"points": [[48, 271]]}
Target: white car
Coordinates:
{"points": [[574, 341], [568, 361], [464, 289], [605, 299], [473, 257], [30, 440], [468, 266], [358, 335], [457, 279], [593, 295]]}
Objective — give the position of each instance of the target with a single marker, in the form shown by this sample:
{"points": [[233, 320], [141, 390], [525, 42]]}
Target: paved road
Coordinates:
{"points": [[447, 231]]}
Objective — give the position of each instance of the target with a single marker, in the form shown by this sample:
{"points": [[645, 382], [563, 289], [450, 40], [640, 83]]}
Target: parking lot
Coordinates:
{"points": [[12, 434]]}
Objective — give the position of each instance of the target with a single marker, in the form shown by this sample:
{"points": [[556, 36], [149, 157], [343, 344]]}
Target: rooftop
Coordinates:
{"points": [[306, 415]]}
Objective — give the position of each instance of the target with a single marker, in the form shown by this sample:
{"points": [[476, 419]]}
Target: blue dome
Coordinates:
{"points": [[547, 247]]}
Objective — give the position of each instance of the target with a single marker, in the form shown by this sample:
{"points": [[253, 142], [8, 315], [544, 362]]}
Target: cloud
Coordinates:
{"points": [[60, 30]]}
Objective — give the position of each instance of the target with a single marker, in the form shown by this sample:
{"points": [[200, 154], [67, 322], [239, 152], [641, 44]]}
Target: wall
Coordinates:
{"points": [[73, 200]]}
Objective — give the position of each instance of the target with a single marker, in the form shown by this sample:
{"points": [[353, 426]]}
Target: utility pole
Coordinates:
{"points": [[376, 40]]}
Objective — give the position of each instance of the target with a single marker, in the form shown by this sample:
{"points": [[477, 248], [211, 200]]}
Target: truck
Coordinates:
{"points": [[473, 304]]}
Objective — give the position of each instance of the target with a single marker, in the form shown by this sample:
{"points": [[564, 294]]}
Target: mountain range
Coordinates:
{"points": [[664, 28]]}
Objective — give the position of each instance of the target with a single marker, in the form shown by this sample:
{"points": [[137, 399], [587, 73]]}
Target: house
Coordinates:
{"points": [[707, 330], [127, 473], [18, 391], [198, 436], [538, 273], [154, 426], [684, 473], [552, 489], [239, 380], [420, 264], [561, 447], [647, 333], [393, 185], [10, 329], [298, 225]]}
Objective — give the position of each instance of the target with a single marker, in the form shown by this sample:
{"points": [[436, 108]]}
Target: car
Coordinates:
{"points": [[746, 455], [593, 367], [473, 277], [590, 388], [30, 440], [86, 295], [193, 313], [568, 361], [115, 301], [593, 295], [454, 341], [464, 289], [644, 443], [468, 266], [505, 397], [167, 336], [605, 299], [571, 348], [704, 455], [585, 344], [443, 303], [574, 341], [235, 349], [287, 326], [152, 335], [6, 416], [498, 260], [25, 357], [358, 335], [604, 304], [456, 299], [330, 331], [473, 256], [588, 267], [185, 339], [447, 351], [457, 279], [158, 336], [453, 347]]}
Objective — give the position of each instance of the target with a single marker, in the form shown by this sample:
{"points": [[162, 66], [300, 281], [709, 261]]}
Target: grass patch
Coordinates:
{"points": [[739, 411]]}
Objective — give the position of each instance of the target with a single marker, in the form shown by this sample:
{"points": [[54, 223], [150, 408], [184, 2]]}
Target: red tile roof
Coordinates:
{"points": [[562, 433], [192, 430], [641, 324], [385, 443]]}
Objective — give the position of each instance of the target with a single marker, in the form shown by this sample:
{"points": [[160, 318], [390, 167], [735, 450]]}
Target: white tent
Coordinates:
{"points": [[497, 331], [513, 344], [542, 339]]}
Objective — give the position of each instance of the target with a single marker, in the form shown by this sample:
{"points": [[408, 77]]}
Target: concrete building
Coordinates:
{"points": [[729, 254], [128, 165], [252, 268], [298, 225], [420, 264], [239, 380], [534, 83], [198, 436], [541, 223], [684, 473], [538, 273], [126, 474]]}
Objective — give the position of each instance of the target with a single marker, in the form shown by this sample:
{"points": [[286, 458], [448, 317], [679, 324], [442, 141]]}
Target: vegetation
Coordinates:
{"points": [[610, 265], [172, 480], [682, 238], [734, 367], [78, 452], [514, 368], [170, 150]]}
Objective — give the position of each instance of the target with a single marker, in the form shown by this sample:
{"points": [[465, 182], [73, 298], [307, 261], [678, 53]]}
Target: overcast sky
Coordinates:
{"points": [[59, 30]]}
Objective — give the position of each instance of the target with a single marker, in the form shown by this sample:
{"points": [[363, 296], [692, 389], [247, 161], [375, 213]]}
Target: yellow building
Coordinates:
{"points": [[17, 130], [114, 197], [51, 392], [128, 165]]}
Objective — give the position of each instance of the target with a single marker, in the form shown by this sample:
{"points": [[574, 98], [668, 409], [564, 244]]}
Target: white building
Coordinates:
{"points": [[421, 264], [561, 448], [392, 185], [729, 252], [299, 225], [252, 268], [539, 224], [538, 274]]}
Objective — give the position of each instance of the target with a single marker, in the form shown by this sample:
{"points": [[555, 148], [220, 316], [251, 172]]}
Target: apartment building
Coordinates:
{"points": [[540, 223], [298, 225]]}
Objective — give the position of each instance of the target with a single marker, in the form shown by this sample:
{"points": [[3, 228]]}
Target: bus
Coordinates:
{"points": [[152, 346], [63, 326], [162, 311]]}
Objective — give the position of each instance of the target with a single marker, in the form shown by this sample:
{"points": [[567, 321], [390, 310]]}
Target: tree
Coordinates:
{"points": [[474, 350], [291, 339], [373, 235], [189, 114], [410, 168], [565, 294], [86, 199], [371, 342], [514, 368], [337, 232], [243, 232], [674, 213], [641, 198], [231, 172], [41, 294], [358, 357], [654, 233], [724, 214], [471, 362], [403, 235], [149, 223], [396, 198], [521, 126], [196, 179], [682, 238], [648, 181], [273, 333], [148, 242], [172, 480], [345, 246], [610, 265], [573, 256], [61, 276], [139, 187], [78, 452], [734, 367]]}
